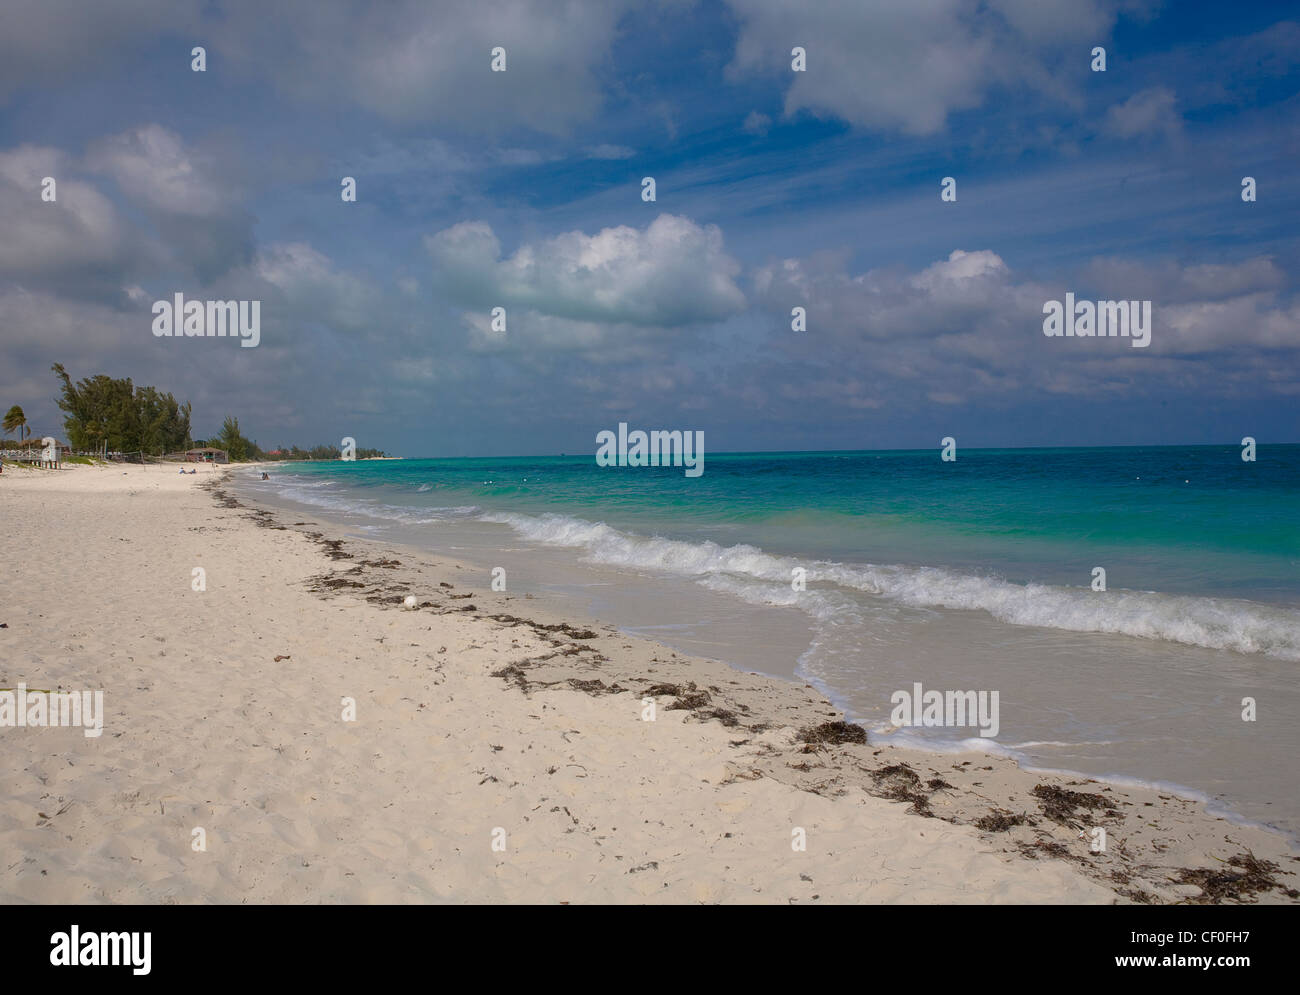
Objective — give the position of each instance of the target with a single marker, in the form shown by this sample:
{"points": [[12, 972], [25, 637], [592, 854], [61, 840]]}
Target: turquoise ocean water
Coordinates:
{"points": [[976, 574]]}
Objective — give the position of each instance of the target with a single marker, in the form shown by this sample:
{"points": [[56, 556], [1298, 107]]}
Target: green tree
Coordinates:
{"points": [[15, 419], [235, 445], [101, 411], [95, 410], [160, 425]]}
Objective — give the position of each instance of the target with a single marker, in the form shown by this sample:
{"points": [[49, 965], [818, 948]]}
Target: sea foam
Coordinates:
{"points": [[1213, 623]]}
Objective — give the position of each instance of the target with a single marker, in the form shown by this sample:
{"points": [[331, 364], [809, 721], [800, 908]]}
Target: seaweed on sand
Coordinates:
{"points": [[999, 820], [595, 687], [1062, 805], [723, 715], [1052, 848], [691, 701], [833, 734], [1240, 886], [655, 690], [572, 631], [901, 783], [689, 697]]}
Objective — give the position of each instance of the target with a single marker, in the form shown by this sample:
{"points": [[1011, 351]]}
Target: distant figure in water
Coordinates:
{"points": [[265, 476]]}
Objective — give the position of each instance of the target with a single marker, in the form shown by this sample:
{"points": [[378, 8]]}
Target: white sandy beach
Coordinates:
{"points": [[452, 750]]}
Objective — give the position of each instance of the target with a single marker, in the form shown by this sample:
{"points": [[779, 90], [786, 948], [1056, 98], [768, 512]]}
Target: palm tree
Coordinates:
{"points": [[15, 419]]}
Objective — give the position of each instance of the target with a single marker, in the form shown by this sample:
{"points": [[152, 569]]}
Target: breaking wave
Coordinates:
{"points": [[1213, 623]]}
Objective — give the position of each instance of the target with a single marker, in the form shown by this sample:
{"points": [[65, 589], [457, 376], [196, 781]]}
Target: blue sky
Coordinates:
{"points": [[775, 189]]}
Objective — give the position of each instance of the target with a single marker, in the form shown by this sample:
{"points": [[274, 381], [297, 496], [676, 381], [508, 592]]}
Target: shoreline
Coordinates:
{"points": [[770, 639], [1026, 778], [723, 770]]}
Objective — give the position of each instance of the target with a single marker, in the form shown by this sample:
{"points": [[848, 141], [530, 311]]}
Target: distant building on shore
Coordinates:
{"points": [[207, 455]]}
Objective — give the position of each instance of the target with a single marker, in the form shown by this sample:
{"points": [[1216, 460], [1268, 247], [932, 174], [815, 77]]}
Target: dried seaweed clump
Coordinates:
{"points": [[999, 820], [594, 687], [901, 783], [1240, 886], [833, 733], [688, 696], [1061, 805]]}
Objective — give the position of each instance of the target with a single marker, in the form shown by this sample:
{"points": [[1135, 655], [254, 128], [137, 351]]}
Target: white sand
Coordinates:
{"points": [[203, 729]]}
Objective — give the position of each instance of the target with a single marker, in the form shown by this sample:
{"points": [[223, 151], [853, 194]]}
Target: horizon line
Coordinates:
{"points": [[813, 452]]}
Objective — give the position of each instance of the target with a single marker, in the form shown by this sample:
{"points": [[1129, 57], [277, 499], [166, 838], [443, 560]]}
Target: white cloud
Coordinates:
{"points": [[414, 61], [1042, 22], [153, 167], [405, 60], [79, 234], [908, 66], [191, 200], [1168, 281], [960, 270], [1147, 113], [52, 41], [312, 289], [580, 287], [969, 327], [1253, 321]]}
